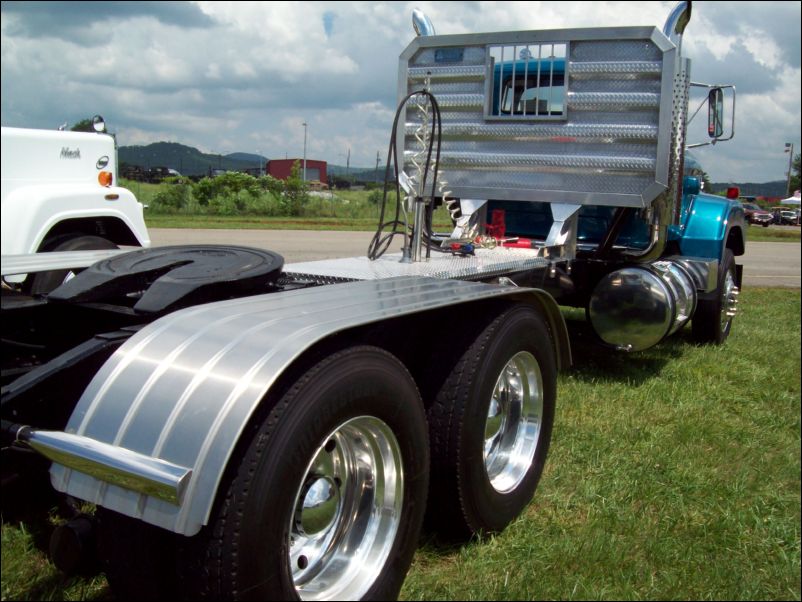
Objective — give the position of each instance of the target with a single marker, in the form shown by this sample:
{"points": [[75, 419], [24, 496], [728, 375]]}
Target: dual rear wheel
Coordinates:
{"points": [[327, 493]]}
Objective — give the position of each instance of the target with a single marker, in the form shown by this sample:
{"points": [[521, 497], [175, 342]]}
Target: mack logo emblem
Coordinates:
{"points": [[102, 162], [67, 153]]}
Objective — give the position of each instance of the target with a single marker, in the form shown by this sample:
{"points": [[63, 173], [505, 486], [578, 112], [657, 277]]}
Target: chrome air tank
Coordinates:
{"points": [[636, 307]]}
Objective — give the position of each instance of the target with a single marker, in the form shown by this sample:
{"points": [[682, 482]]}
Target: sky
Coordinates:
{"points": [[244, 76]]}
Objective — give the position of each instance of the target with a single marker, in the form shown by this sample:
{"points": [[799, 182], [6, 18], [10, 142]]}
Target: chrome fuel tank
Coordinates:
{"points": [[636, 307]]}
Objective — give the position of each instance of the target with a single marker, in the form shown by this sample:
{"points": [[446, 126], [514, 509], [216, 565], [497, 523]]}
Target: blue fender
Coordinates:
{"points": [[708, 224]]}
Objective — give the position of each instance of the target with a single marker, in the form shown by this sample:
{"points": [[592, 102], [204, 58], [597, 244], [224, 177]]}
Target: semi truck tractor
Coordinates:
{"points": [[246, 428]]}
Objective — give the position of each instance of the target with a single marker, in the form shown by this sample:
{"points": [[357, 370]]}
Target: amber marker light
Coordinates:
{"points": [[105, 178]]}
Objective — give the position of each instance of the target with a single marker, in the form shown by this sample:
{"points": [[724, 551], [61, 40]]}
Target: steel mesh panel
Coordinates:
{"points": [[497, 183], [571, 132], [615, 50], [606, 148], [471, 56]]}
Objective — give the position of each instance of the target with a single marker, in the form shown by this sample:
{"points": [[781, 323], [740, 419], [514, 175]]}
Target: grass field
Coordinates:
{"points": [[340, 210], [674, 473], [773, 234]]}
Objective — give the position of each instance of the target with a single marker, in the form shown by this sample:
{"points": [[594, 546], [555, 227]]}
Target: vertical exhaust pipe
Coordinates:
{"points": [[676, 23], [422, 24], [666, 208]]}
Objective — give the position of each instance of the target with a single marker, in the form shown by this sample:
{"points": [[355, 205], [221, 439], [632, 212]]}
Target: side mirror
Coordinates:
{"points": [[715, 113]]}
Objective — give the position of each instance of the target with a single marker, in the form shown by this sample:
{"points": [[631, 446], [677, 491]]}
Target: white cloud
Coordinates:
{"points": [[243, 76]]}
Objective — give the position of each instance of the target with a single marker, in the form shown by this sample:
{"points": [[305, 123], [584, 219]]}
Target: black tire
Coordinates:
{"points": [[470, 492], [246, 550], [712, 322], [45, 282]]}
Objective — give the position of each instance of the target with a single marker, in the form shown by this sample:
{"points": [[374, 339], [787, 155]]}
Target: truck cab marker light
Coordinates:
{"points": [[105, 178]]}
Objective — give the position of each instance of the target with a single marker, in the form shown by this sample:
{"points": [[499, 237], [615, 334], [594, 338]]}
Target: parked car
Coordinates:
{"points": [[756, 215], [790, 217], [785, 216]]}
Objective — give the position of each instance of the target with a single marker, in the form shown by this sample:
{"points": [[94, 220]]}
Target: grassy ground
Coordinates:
{"points": [[257, 222], [773, 234], [674, 473], [339, 210]]}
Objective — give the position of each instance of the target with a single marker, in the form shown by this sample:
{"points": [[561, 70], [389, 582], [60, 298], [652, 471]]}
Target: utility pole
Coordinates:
{"points": [[304, 124], [789, 148], [376, 171], [347, 164]]}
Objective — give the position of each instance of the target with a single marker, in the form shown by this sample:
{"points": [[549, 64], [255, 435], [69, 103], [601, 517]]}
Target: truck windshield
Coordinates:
{"points": [[528, 80], [533, 95]]}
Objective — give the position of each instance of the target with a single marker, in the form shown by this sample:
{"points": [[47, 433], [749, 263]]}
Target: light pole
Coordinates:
{"points": [[304, 124], [789, 148]]}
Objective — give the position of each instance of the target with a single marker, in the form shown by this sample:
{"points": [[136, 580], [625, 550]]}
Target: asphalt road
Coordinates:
{"points": [[766, 264]]}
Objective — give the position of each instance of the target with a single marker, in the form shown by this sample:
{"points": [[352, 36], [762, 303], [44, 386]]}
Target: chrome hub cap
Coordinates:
{"points": [[729, 301], [512, 427], [347, 512]]}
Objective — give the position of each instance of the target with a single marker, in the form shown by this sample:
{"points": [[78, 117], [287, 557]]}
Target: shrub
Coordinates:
{"points": [[174, 196], [295, 193]]}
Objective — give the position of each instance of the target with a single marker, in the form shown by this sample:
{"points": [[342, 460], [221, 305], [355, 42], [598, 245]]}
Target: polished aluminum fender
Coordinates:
{"points": [[181, 391]]}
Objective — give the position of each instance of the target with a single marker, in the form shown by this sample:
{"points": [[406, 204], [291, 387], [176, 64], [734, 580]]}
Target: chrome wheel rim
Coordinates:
{"points": [[347, 511], [512, 427], [729, 301]]}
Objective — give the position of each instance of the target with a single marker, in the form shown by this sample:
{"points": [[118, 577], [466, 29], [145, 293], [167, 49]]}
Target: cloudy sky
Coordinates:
{"points": [[244, 76]]}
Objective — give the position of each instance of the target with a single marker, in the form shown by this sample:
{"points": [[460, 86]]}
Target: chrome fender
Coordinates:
{"points": [[180, 392]]}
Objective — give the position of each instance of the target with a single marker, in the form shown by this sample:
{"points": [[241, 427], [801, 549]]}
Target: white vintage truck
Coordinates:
{"points": [[249, 429], [60, 193]]}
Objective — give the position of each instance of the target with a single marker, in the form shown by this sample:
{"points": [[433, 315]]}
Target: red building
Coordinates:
{"points": [[281, 168]]}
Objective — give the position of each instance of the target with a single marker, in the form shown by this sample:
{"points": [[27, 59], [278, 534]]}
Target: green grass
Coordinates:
{"points": [[251, 222], [772, 234], [674, 473], [28, 575], [339, 210]]}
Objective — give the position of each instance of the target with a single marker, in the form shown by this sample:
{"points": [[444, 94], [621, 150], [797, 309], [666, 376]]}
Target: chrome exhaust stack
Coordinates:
{"points": [[676, 23], [422, 24], [666, 208]]}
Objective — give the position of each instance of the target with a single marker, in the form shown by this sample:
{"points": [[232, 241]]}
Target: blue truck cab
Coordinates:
{"points": [[573, 143], [707, 224]]}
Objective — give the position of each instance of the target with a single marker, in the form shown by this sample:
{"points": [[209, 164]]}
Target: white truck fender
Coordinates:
{"points": [[180, 392], [30, 212]]}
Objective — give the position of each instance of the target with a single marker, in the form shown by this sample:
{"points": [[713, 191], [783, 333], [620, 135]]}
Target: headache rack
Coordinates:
{"points": [[577, 116]]}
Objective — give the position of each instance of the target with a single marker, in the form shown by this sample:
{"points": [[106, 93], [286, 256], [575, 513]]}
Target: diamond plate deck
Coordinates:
{"points": [[486, 263]]}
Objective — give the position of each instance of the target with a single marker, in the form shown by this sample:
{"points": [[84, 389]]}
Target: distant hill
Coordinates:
{"points": [[253, 159], [767, 189], [186, 159], [189, 161]]}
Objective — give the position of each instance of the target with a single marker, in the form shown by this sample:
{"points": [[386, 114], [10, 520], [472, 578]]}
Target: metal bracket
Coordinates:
{"points": [[561, 240]]}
